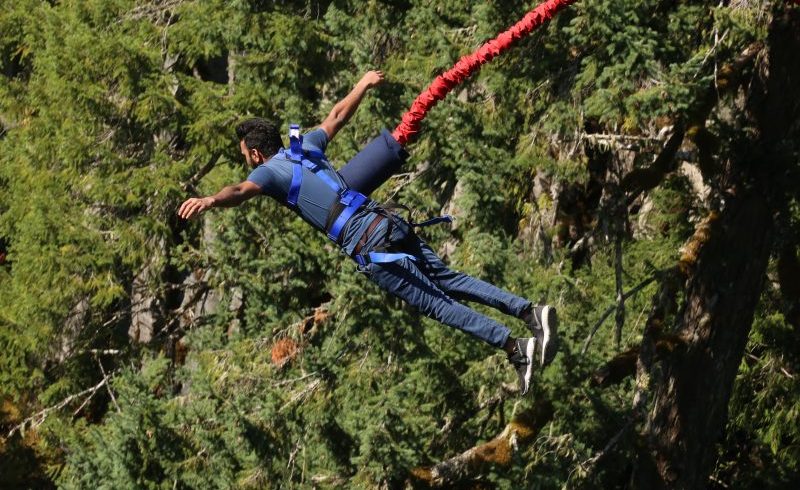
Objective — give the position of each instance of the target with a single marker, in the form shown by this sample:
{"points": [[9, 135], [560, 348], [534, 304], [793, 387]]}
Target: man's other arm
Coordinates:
{"points": [[228, 197], [345, 108]]}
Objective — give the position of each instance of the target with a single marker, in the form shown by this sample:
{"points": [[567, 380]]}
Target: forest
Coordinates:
{"points": [[636, 164]]}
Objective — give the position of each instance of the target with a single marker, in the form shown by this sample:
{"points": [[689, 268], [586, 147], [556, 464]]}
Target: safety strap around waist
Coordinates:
{"points": [[376, 257], [381, 258], [349, 202]]}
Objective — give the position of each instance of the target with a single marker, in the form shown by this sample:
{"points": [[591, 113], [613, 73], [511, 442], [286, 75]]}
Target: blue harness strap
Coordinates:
{"points": [[352, 200], [385, 257], [297, 172], [382, 258], [322, 175], [294, 188]]}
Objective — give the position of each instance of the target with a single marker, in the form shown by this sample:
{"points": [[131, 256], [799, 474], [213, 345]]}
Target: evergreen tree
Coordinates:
{"points": [[633, 163]]}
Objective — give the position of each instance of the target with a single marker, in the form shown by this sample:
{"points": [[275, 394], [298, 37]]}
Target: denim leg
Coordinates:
{"points": [[459, 285], [404, 280]]}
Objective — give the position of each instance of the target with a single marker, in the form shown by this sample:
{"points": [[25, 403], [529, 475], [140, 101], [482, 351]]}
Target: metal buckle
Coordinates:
{"points": [[295, 141], [347, 197]]}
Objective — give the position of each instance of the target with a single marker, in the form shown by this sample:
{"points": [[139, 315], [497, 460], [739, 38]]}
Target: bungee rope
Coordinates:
{"points": [[471, 63], [385, 155]]}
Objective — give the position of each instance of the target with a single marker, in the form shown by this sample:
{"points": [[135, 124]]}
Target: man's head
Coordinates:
{"points": [[258, 140]]}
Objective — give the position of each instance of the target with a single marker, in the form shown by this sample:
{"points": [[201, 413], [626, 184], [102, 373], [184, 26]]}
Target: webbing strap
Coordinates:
{"points": [[297, 175], [434, 221], [352, 201], [382, 258], [317, 169], [294, 188], [316, 154]]}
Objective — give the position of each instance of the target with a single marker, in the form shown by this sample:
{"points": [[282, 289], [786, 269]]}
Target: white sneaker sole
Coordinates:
{"points": [[529, 351], [549, 327]]}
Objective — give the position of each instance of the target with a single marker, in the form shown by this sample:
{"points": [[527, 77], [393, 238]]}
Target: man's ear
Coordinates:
{"points": [[257, 156]]}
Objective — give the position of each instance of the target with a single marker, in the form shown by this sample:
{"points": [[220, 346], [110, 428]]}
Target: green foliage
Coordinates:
{"points": [[109, 109]]}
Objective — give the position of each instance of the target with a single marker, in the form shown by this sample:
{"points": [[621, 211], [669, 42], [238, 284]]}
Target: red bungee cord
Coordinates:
{"points": [[470, 64]]}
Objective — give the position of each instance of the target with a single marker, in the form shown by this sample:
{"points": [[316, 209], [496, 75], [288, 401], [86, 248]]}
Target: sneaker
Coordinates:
{"points": [[522, 360], [543, 322]]}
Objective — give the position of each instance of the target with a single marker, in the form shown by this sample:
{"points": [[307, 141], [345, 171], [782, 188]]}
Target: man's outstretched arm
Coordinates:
{"points": [[228, 197], [345, 108]]}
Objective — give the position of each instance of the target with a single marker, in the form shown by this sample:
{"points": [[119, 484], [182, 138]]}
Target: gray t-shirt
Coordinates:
{"points": [[315, 197]]}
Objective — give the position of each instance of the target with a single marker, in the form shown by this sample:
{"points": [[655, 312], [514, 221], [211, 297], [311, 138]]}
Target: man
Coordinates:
{"points": [[384, 245]]}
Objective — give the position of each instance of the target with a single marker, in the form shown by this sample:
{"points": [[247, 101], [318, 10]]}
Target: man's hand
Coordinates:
{"points": [[345, 108], [195, 206], [372, 79], [228, 197]]}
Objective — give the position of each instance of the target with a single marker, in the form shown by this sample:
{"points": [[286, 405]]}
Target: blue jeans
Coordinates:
{"points": [[435, 290]]}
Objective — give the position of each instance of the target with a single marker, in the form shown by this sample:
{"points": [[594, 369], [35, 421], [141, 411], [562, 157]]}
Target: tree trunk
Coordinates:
{"points": [[726, 275], [691, 400]]}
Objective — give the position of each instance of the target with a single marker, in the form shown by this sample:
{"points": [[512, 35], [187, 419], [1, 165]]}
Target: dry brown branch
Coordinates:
{"points": [[154, 11], [39, 417], [108, 388], [285, 348], [611, 310], [497, 452], [189, 185]]}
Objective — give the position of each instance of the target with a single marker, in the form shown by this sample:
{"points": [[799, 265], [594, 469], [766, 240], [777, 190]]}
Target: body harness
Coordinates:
{"points": [[348, 201]]}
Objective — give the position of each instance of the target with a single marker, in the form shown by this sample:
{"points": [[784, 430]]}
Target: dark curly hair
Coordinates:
{"points": [[260, 134]]}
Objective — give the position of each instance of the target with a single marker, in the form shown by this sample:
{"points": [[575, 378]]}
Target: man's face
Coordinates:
{"points": [[253, 157]]}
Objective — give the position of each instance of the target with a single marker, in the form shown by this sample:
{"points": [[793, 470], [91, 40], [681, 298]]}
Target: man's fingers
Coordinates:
{"points": [[199, 207], [187, 213], [185, 207], [182, 208], [190, 208], [194, 210]]}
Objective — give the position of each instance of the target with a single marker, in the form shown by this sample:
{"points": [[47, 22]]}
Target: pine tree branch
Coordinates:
{"points": [[619, 286], [789, 280], [623, 365], [154, 11], [302, 394], [644, 179]]}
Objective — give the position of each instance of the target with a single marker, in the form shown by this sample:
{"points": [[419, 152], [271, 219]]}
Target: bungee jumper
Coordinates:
{"points": [[383, 244]]}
